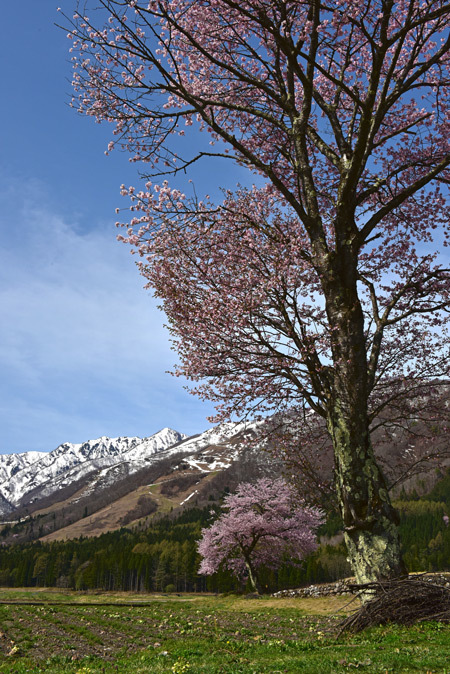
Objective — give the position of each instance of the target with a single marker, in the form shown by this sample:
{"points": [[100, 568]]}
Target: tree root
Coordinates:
{"points": [[404, 601]]}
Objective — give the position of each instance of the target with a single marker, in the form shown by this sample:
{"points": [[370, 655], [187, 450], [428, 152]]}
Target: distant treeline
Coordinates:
{"points": [[164, 557]]}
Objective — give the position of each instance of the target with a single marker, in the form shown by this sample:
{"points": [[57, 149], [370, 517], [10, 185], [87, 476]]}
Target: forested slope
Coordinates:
{"points": [[164, 557]]}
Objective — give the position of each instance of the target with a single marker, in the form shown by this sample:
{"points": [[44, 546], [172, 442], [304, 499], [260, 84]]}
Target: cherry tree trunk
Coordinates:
{"points": [[370, 521], [252, 575]]}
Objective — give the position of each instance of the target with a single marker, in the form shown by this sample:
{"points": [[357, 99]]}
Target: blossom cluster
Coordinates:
{"points": [[264, 521]]}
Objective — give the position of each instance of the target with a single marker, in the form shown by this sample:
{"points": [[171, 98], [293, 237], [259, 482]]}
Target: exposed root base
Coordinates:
{"points": [[405, 601]]}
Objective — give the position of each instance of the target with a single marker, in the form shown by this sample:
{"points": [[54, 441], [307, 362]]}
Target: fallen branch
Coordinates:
{"points": [[404, 601]]}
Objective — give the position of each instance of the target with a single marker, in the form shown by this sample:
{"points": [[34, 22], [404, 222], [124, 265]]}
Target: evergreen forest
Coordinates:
{"points": [[161, 555]]}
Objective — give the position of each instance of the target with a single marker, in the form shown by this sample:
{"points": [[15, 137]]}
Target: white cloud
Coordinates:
{"points": [[82, 345], [74, 300]]}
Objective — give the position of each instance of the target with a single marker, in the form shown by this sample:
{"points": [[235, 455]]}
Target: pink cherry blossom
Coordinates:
{"points": [[322, 289], [263, 522]]}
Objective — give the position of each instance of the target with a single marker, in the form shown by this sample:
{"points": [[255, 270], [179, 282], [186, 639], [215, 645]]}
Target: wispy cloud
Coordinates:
{"points": [[82, 345]]}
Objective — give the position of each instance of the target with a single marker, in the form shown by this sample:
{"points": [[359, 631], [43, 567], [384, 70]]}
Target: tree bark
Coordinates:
{"points": [[370, 521], [253, 576]]}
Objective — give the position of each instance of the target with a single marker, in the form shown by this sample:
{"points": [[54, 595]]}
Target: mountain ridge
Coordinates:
{"points": [[87, 488], [95, 473], [23, 473]]}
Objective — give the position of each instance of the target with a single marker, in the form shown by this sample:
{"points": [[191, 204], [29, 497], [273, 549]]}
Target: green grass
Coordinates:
{"points": [[205, 635]]}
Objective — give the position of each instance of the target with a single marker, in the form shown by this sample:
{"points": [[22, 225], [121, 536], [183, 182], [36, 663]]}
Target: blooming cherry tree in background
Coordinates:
{"points": [[320, 289], [264, 522]]}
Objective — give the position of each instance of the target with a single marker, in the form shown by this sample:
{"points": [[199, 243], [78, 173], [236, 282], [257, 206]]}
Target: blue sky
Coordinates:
{"points": [[83, 350]]}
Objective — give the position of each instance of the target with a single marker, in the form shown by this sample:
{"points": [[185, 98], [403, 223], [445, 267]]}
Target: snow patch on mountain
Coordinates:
{"points": [[211, 464], [216, 435]]}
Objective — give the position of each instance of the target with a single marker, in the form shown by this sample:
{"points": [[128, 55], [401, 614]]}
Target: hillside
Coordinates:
{"points": [[162, 554], [114, 489], [107, 483]]}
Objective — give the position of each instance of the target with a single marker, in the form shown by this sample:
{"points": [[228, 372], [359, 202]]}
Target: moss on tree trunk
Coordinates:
{"points": [[370, 521]]}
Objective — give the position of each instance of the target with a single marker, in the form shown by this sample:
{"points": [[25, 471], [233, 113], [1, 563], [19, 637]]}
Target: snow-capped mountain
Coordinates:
{"points": [[46, 472], [10, 464], [216, 436], [82, 469], [101, 485]]}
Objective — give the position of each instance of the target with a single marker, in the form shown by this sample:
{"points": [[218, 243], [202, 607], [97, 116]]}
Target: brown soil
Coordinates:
{"points": [[105, 630]]}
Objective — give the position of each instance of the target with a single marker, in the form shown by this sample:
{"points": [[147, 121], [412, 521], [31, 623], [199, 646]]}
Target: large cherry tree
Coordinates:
{"points": [[321, 288]]}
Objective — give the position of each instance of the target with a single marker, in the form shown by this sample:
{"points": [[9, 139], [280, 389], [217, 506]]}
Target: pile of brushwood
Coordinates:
{"points": [[404, 601]]}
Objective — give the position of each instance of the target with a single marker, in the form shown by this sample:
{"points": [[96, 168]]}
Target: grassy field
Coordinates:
{"points": [[70, 633]]}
